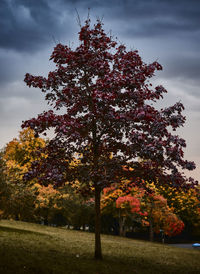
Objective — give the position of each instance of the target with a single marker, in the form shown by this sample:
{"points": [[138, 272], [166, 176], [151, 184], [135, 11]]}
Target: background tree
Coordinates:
{"points": [[105, 96], [18, 156], [161, 217], [4, 188], [125, 202], [20, 153], [133, 204], [32, 201], [63, 206], [185, 204], [46, 202]]}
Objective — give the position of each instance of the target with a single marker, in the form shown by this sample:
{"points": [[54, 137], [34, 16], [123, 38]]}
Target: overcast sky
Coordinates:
{"points": [[164, 30]]}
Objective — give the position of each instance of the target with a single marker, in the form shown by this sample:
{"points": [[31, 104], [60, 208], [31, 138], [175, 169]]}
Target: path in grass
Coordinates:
{"points": [[31, 248]]}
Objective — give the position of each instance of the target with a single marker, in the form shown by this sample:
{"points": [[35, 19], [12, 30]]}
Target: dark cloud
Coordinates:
{"points": [[10, 69], [160, 27], [158, 18], [146, 17], [27, 25], [184, 67]]}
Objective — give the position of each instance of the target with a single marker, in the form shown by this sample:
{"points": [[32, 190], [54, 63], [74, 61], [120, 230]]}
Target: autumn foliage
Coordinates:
{"points": [[127, 201], [21, 152], [158, 208]]}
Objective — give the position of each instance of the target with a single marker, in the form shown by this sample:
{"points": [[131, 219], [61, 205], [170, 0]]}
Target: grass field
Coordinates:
{"points": [[31, 248]]}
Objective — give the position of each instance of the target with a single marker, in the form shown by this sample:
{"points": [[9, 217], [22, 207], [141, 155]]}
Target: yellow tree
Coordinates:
{"points": [[48, 202], [43, 201], [21, 152], [4, 188], [18, 156], [185, 203]]}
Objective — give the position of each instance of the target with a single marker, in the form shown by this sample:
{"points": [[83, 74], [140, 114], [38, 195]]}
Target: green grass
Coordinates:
{"points": [[31, 248]]}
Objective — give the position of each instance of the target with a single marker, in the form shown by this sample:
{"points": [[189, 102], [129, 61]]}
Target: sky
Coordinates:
{"points": [[166, 31]]}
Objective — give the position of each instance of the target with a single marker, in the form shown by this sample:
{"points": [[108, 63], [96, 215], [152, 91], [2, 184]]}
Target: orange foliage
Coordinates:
{"points": [[132, 200]]}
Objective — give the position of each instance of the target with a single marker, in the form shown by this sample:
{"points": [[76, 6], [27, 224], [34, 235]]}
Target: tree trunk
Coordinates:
{"points": [[122, 230], [98, 253], [120, 227], [151, 233]]}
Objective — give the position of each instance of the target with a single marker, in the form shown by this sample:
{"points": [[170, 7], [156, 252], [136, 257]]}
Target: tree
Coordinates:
{"points": [[20, 153], [131, 203], [161, 217], [186, 204], [124, 201], [18, 156], [46, 202], [4, 187], [103, 97]]}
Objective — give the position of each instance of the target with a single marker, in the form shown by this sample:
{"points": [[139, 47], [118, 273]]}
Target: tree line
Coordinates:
{"points": [[125, 207]]}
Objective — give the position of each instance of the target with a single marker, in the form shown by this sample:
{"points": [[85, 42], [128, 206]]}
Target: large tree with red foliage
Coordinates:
{"points": [[101, 98]]}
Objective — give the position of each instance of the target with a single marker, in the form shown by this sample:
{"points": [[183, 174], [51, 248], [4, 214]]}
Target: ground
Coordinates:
{"points": [[31, 248]]}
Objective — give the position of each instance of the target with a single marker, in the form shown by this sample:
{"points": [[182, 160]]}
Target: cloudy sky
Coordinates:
{"points": [[164, 30]]}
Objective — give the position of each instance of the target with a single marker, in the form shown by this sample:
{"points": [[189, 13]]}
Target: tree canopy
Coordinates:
{"points": [[102, 104]]}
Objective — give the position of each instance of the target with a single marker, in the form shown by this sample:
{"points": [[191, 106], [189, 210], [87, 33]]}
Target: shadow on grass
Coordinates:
{"points": [[20, 231], [49, 260], [25, 251]]}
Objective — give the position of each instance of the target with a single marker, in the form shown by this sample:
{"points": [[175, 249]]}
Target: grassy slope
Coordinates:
{"points": [[31, 248]]}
